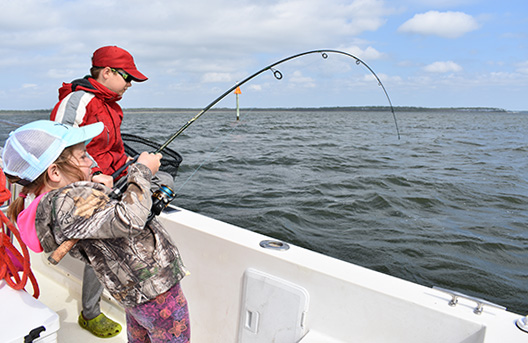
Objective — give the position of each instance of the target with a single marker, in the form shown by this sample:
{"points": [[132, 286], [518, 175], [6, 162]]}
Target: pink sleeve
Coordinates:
{"points": [[26, 225]]}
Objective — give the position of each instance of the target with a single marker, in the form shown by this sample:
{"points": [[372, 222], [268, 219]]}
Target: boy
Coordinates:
{"points": [[86, 101]]}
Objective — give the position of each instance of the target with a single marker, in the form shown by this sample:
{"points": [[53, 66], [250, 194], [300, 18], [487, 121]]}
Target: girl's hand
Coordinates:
{"points": [[106, 180], [152, 161]]}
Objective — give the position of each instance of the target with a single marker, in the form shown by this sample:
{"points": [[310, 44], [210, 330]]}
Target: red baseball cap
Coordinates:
{"points": [[115, 57]]}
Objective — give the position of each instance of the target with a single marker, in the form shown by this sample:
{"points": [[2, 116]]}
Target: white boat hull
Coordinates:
{"points": [[316, 298]]}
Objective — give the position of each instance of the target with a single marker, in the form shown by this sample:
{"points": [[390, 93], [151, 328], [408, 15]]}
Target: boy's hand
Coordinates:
{"points": [[152, 161]]}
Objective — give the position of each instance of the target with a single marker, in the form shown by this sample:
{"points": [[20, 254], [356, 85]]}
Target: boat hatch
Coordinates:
{"points": [[273, 309]]}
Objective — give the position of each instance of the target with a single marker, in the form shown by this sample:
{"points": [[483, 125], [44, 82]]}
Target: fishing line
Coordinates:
{"points": [[211, 153], [11, 123]]}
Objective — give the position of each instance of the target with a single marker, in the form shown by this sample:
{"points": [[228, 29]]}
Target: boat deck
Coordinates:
{"points": [[61, 293]]}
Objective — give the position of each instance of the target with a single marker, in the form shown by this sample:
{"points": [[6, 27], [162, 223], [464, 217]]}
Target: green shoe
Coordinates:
{"points": [[101, 326]]}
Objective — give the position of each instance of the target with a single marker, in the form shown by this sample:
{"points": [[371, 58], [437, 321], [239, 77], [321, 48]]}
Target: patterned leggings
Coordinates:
{"points": [[163, 319]]}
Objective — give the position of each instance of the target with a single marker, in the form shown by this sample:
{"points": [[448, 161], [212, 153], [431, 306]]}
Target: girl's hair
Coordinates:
{"points": [[66, 164]]}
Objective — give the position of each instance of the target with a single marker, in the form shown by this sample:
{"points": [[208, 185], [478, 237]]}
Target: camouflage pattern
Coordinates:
{"points": [[134, 262]]}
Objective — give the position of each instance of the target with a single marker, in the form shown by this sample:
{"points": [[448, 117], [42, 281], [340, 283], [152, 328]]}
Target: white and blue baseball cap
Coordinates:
{"points": [[32, 148]]}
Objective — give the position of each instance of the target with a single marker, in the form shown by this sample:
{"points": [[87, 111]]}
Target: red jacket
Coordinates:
{"points": [[86, 101]]}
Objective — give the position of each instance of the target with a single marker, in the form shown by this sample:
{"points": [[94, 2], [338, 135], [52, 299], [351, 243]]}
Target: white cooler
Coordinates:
{"points": [[21, 313]]}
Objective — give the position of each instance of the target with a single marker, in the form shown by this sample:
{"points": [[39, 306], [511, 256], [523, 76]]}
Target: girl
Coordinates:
{"points": [[136, 262]]}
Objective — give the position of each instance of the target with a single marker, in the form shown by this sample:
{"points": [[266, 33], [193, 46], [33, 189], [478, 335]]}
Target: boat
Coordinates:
{"points": [[246, 287]]}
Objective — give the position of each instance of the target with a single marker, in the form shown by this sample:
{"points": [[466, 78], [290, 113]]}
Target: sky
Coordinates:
{"points": [[427, 53]]}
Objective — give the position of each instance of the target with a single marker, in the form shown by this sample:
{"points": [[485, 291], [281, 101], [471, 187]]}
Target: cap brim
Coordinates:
{"points": [[136, 75], [83, 134]]}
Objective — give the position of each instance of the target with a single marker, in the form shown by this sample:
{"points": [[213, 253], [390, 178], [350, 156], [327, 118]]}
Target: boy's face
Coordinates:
{"points": [[114, 81]]}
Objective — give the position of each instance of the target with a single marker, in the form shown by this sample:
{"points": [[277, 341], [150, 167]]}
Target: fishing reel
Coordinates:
{"points": [[161, 198]]}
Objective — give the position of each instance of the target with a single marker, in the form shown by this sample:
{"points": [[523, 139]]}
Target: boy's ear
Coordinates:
{"points": [[105, 73]]}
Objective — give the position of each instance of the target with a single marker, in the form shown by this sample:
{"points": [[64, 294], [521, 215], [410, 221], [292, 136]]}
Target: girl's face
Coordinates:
{"points": [[82, 160], [77, 167]]}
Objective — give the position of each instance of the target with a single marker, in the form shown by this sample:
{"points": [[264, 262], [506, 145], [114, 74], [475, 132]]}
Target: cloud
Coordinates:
{"points": [[216, 77], [301, 80], [443, 67], [368, 53], [442, 24], [441, 3], [180, 36], [257, 88], [242, 23], [522, 67]]}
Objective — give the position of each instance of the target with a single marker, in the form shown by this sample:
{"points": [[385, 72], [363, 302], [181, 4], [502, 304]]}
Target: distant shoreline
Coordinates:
{"points": [[336, 108]]}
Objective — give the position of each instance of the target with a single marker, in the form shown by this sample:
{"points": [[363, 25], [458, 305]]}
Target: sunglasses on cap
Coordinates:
{"points": [[125, 76]]}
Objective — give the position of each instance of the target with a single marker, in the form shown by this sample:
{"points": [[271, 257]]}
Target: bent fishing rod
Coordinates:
{"points": [[278, 75]]}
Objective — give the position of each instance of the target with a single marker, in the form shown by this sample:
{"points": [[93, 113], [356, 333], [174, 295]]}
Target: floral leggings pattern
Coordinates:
{"points": [[163, 319]]}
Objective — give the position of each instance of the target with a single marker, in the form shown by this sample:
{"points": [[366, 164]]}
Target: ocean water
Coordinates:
{"points": [[445, 205]]}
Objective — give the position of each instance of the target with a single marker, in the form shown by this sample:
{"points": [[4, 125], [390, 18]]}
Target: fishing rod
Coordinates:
{"points": [[278, 75]]}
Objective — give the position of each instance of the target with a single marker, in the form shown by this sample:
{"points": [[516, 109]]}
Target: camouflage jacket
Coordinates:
{"points": [[134, 262]]}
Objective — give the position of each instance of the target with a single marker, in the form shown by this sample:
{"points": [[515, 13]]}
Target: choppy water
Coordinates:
{"points": [[445, 205]]}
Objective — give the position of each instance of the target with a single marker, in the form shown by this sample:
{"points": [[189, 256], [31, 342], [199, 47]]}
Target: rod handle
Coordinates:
{"points": [[61, 251], [118, 172]]}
